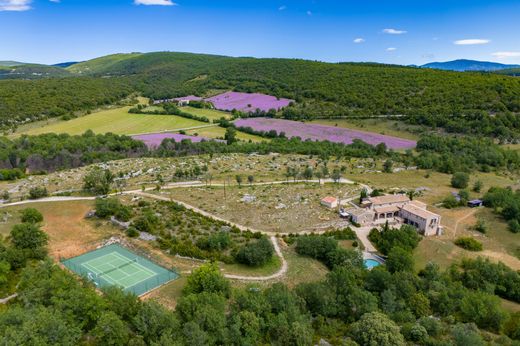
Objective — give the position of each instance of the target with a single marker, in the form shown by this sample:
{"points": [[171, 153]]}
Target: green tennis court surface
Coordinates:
{"points": [[114, 265]]}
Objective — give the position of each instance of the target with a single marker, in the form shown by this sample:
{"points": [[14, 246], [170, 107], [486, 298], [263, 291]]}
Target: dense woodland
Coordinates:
{"points": [[387, 306], [451, 100], [29, 100], [51, 152]]}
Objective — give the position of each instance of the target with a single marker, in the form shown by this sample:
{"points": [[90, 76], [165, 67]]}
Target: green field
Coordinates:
{"points": [[117, 121], [219, 132], [211, 114]]}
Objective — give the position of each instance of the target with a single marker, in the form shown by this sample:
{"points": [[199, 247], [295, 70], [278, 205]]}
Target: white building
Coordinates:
{"points": [[397, 209]]}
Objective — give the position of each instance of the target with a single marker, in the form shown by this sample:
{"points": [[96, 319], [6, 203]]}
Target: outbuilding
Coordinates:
{"points": [[475, 203], [330, 202]]}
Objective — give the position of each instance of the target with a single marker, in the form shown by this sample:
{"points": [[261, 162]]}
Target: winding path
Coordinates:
{"points": [[281, 272]]}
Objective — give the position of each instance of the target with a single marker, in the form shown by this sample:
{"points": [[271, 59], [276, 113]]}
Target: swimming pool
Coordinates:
{"points": [[370, 263]]}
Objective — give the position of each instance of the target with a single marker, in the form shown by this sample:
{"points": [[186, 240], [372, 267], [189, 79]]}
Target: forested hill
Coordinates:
{"points": [[321, 89]]}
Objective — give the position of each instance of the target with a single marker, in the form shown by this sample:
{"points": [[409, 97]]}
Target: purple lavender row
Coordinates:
{"points": [[247, 102], [322, 132], [153, 140]]}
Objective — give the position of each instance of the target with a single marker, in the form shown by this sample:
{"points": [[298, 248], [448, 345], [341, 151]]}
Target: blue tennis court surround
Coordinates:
{"points": [[113, 265]]}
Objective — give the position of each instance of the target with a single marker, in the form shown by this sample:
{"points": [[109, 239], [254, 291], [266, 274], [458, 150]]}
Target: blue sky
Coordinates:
{"points": [[398, 31]]}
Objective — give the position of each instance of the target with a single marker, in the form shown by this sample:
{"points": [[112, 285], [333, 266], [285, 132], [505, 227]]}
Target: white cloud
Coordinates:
{"points": [[359, 40], [471, 42], [155, 2], [505, 55], [282, 8], [394, 31], [391, 49], [15, 5]]}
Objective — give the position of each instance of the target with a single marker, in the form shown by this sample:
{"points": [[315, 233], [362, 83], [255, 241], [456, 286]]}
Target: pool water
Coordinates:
{"points": [[370, 263]]}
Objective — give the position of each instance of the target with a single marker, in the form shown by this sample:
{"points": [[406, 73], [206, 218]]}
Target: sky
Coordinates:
{"points": [[398, 31]]}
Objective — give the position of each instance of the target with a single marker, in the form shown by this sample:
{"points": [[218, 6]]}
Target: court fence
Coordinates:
{"points": [[162, 275]]}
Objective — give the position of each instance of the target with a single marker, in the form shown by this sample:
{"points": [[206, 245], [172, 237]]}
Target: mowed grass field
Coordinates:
{"points": [[219, 132], [117, 121], [211, 114], [382, 126]]}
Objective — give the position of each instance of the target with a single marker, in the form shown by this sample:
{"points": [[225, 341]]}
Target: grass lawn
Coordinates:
{"points": [[267, 269], [219, 132], [211, 114], [117, 121], [385, 127]]}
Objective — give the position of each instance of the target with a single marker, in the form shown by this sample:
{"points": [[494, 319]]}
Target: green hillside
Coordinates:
{"points": [[484, 104], [10, 63], [32, 71], [100, 65]]}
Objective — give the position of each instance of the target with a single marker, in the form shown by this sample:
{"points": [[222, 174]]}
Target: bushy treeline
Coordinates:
{"points": [[449, 154], [506, 202], [25, 101], [278, 145], [350, 306], [504, 125], [50, 152], [168, 109]]}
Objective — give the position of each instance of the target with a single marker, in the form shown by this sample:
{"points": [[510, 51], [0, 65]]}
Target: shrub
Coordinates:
{"points": [[469, 244], [460, 180], [38, 192], [514, 226], [132, 232], [256, 253], [450, 202], [405, 237], [31, 215]]}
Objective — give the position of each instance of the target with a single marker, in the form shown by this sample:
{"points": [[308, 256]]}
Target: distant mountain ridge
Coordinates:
{"points": [[462, 65]]}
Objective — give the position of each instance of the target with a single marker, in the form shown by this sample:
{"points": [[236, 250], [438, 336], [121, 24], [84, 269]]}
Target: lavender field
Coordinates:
{"points": [[322, 132], [188, 98], [153, 140], [247, 102]]}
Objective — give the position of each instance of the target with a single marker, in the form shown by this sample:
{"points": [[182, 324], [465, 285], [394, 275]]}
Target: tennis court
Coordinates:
{"points": [[114, 265]]}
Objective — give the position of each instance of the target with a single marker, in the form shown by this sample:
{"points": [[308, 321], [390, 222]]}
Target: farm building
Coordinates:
{"points": [[330, 202], [399, 209], [475, 203]]}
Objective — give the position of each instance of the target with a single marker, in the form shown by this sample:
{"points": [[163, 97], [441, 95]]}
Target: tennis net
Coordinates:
{"points": [[118, 267]]}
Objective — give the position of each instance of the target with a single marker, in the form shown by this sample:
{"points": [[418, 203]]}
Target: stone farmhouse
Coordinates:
{"points": [[397, 209]]}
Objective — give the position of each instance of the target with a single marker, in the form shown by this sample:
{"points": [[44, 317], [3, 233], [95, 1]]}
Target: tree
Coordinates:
{"points": [[28, 236], [460, 180], [388, 166], [238, 178], [250, 179], [38, 192], [319, 175], [256, 253], [363, 194], [484, 310], [98, 181], [399, 260], [110, 330], [308, 173], [375, 329], [31, 215], [207, 278], [336, 175], [5, 268], [230, 136], [477, 186]]}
